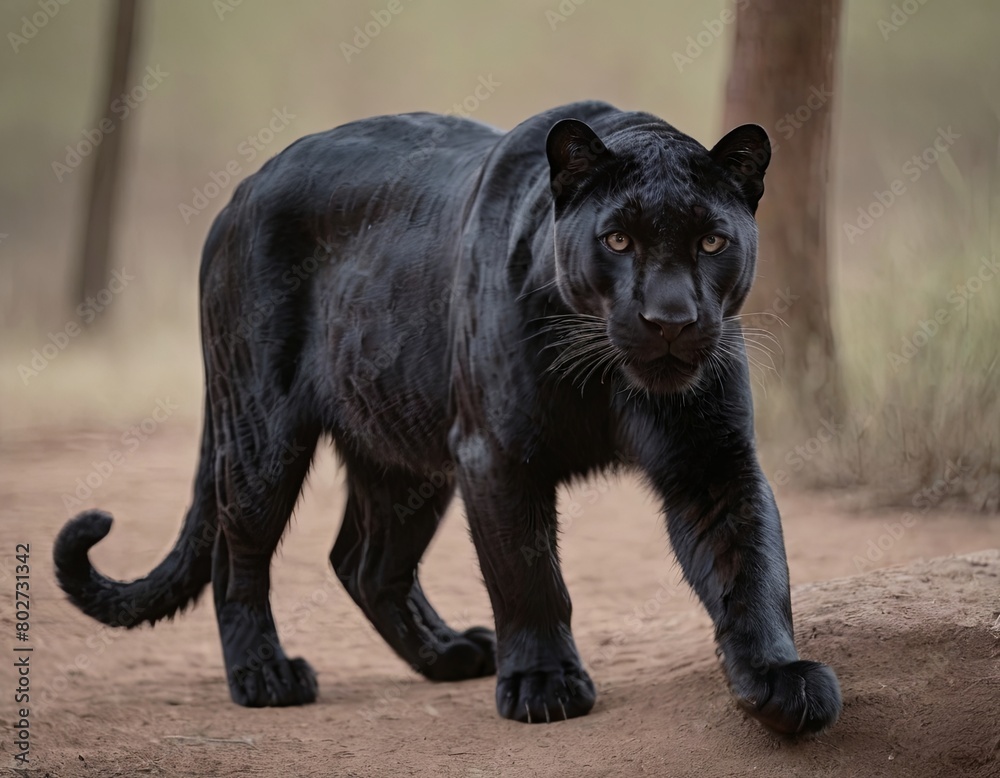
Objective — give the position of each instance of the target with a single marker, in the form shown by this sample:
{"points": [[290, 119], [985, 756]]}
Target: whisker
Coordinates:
{"points": [[731, 348], [731, 338], [577, 348], [617, 361], [763, 352], [532, 291], [568, 325], [752, 332], [762, 346], [610, 353], [749, 315], [577, 339]]}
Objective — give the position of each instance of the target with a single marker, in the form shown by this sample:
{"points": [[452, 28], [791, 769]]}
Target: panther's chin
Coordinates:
{"points": [[665, 375]]}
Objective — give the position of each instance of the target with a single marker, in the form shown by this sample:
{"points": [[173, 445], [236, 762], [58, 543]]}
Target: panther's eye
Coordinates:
{"points": [[713, 244], [618, 242]]}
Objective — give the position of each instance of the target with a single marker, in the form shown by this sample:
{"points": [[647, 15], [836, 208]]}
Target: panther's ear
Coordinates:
{"points": [[746, 152], [573, 150]]}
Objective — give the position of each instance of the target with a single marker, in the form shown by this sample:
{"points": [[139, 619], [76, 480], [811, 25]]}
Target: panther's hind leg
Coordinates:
{"points": [[385, 532], [261, 463]]}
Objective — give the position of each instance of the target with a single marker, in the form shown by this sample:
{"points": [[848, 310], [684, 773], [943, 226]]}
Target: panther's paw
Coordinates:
{"points": [[798, 697], [469, 654], [274, 683], [543, 695]]}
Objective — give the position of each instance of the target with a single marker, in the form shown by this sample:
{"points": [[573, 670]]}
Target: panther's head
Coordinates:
{"points": [[655, 241]]}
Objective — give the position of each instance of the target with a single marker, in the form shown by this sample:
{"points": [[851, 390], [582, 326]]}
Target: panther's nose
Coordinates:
{"points": [[668, 327]]}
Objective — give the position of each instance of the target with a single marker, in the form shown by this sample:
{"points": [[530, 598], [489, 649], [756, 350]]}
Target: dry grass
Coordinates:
{"points": [[918, 331]]}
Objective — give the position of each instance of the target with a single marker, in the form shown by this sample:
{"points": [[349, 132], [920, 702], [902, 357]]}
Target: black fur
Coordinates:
{"points": [[497, 313]]}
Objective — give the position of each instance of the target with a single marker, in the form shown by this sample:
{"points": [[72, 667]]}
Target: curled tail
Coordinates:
{"points": [[171, 586]]}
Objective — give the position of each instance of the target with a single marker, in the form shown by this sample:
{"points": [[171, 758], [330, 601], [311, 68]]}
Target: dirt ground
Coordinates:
{"points": [[917, 648]]}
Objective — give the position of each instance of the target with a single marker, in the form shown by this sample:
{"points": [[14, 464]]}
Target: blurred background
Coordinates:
{"points": [[216, 88]]}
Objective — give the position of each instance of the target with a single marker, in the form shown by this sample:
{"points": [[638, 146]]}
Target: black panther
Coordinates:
{"points": [[499, 313]]}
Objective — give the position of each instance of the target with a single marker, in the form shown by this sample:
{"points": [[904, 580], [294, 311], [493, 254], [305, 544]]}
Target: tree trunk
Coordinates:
{"points": [[104, 181], [782, 77]]}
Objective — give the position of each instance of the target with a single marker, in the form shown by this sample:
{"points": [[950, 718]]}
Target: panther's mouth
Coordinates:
{"points": [[588, 348], [667, 374]]}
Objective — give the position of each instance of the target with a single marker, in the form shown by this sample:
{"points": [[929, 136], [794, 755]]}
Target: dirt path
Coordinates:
{"points": [[914, 648]]}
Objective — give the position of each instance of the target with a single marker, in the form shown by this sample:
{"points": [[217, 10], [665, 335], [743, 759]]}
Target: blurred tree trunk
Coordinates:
{"points": [[104, 181], [782, 77]]}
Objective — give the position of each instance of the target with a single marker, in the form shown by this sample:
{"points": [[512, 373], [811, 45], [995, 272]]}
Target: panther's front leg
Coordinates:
{"points": [[726, 532], [512, 514]]}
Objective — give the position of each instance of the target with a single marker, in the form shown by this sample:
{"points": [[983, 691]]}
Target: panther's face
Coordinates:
{"points": [[655, 239]]}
